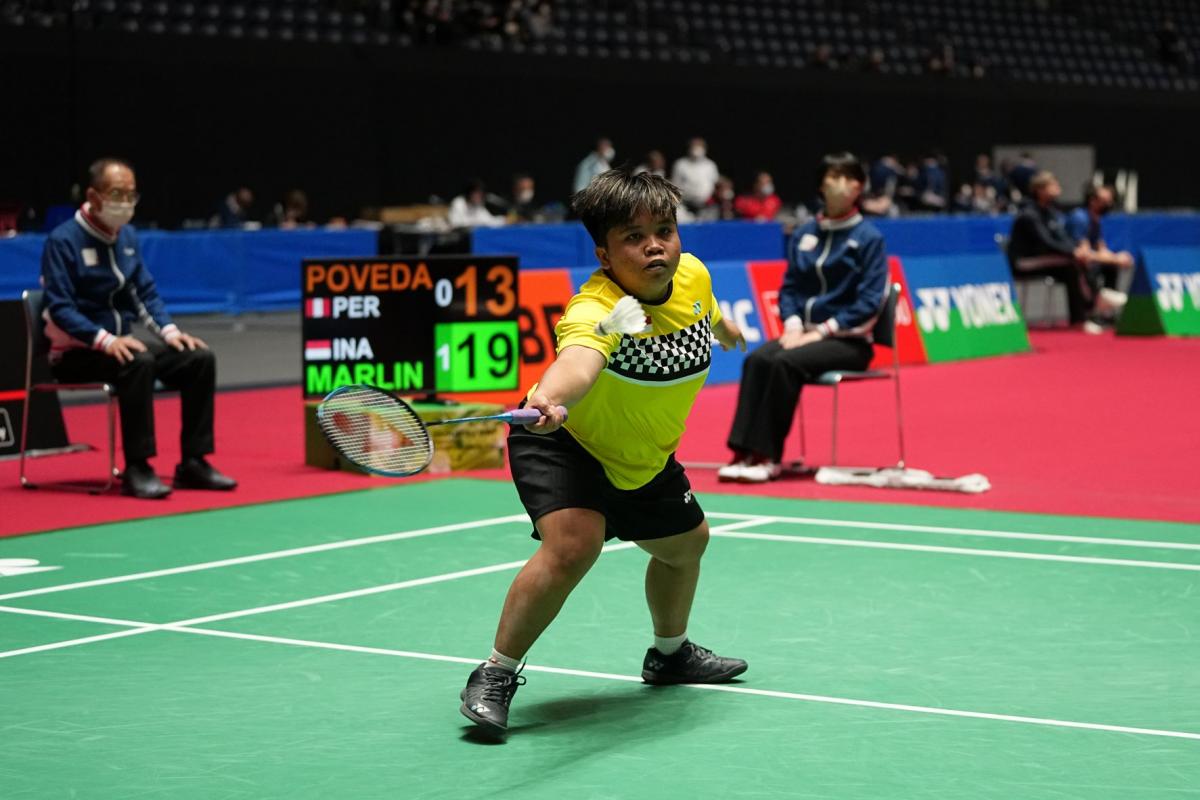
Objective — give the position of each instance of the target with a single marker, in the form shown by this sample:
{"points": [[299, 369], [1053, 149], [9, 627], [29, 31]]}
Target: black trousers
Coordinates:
{"points": [[192, 372], [771, 382]]}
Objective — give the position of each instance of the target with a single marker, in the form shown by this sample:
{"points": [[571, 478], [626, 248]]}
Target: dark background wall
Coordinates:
{"points": [[357, 126]]}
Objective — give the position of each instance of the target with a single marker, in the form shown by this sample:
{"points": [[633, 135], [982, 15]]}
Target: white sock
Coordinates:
{"points": [[498, 659], [669, 644]]}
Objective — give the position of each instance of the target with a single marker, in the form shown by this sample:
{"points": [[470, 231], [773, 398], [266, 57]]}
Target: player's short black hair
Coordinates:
{"points": [[843, 163], [617, 196], [96, 170]]}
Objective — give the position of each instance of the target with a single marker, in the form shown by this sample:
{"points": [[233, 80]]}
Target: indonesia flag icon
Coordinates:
{"points": [[318, 350], [316, 307]]}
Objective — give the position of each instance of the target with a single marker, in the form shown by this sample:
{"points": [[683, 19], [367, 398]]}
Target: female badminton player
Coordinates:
{"points": [[634, 347]]}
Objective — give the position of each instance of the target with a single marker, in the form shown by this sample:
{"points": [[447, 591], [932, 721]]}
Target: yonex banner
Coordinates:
{"points": [[1165, 294], [965, 306]]}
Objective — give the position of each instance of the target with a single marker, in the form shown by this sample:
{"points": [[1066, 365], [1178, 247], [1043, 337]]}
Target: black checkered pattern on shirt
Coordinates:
{"points": [[668, 357]]}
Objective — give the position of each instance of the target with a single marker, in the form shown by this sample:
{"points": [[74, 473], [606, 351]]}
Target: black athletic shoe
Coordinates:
{"points": [[691, 663], [486, 697]]}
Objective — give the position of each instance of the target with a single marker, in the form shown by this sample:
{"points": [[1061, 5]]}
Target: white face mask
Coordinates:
{"points": [[525, 196], [840, 192], [697, 152], [609, 154], [115, 215], [768, 189]]}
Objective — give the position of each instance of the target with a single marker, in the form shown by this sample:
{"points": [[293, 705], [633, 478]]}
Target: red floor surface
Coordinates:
{"points": [[1099, 426]]}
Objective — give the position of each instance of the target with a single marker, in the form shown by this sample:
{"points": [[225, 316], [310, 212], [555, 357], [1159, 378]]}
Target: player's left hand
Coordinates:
{"points": [[552, 414], [185, 341], [729, 336]]}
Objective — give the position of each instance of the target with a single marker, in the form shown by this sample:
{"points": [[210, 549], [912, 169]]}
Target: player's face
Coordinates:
{"points": [[642, 255]]}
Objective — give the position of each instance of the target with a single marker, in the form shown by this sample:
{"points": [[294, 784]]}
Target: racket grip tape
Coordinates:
{"points": [[523, 416]]}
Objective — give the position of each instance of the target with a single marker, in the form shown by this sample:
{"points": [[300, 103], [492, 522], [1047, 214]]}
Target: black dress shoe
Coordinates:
{"points": [[196, 473], [139, 480]]}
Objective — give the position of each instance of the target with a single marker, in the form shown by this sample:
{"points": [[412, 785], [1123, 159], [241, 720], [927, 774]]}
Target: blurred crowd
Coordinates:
{"points": [[896, 186]]}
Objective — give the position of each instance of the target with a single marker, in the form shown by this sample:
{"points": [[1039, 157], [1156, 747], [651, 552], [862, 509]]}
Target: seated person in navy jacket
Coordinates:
{"points": [[96, 285], [832, 293]]}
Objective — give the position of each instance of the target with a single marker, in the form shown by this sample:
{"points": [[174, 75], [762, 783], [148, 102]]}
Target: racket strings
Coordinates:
{"points": [[376, 432]]}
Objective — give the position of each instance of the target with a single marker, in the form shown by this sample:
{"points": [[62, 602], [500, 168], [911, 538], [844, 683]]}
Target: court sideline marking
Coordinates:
{"points": [[972, 551], [150, 627], [132, 628], [295, 551], [184, 627], [516, 518]]}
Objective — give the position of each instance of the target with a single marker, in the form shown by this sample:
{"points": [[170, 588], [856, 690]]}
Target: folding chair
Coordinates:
{"points": [[884, 333], [1025, 283], [38, 346]]}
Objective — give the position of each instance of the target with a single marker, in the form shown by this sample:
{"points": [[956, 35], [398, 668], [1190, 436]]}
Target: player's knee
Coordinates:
{"points": [[576, 555], [697, 541]]}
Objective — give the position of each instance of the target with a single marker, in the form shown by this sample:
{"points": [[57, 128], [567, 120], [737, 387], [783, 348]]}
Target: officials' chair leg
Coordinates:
{"points": [[835, 422], [803, 442], [899, 413], [112, 445], [25, 438]]}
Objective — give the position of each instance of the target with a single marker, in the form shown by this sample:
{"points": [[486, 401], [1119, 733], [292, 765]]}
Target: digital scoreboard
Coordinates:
{"points": [[414, 326]]}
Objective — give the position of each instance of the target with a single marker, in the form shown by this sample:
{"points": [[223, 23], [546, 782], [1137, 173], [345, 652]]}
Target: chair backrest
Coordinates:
{"points": [[884, 332], [32, 300]]}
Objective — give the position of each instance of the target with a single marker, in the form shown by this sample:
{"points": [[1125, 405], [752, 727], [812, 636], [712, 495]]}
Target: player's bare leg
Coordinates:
{"points": [[571, 543], [671, 578]]}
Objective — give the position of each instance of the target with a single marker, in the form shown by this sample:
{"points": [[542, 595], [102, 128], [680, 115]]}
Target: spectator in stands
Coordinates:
{"points": [[986, 176], [1020, 174], [96, 284], [522, 206], [822, 57], [832, 293], [292, 212], [1083, 224], [761, 204], [721, 205], [879, 196], [1040, 244], [595, 162], [696, 175], [234, 210], [469, 209], [655, 163], [933, 188]]}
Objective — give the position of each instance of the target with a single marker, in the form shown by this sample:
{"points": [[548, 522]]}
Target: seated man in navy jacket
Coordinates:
{"points": [[96, 284]]}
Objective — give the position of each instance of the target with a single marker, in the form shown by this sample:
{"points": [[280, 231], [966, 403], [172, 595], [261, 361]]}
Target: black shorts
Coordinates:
{"points": [[553, 471]]}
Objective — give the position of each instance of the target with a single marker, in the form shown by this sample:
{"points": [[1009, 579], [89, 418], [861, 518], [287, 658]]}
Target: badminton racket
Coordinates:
{"points": [[382, 434]]}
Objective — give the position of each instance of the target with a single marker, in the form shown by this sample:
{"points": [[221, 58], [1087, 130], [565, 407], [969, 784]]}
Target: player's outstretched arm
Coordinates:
{"points": [[565, 383], [729, 335]]}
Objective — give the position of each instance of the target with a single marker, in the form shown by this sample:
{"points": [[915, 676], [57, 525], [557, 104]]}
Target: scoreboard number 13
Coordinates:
{"points": [[475, 356]]}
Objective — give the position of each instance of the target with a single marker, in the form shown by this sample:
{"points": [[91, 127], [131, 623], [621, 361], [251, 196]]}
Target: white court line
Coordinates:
{"points": [[966, 551], [296, 551], [893, 526], [144, 627], [732, 689], [185, 627]]}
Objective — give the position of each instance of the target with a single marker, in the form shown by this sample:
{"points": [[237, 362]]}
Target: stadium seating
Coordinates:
{"points": [[1098, 43]]}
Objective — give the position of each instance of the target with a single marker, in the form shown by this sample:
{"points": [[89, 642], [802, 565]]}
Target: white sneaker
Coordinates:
{"points": [[732, 472], [761, 472], [1111, 300], [1094, 328]]}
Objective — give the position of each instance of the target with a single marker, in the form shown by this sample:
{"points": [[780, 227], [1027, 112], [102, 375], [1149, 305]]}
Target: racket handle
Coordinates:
{"points": [[523, 416]]}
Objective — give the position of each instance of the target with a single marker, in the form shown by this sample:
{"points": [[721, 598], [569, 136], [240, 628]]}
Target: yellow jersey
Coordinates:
{"points": [[633, 417]]}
